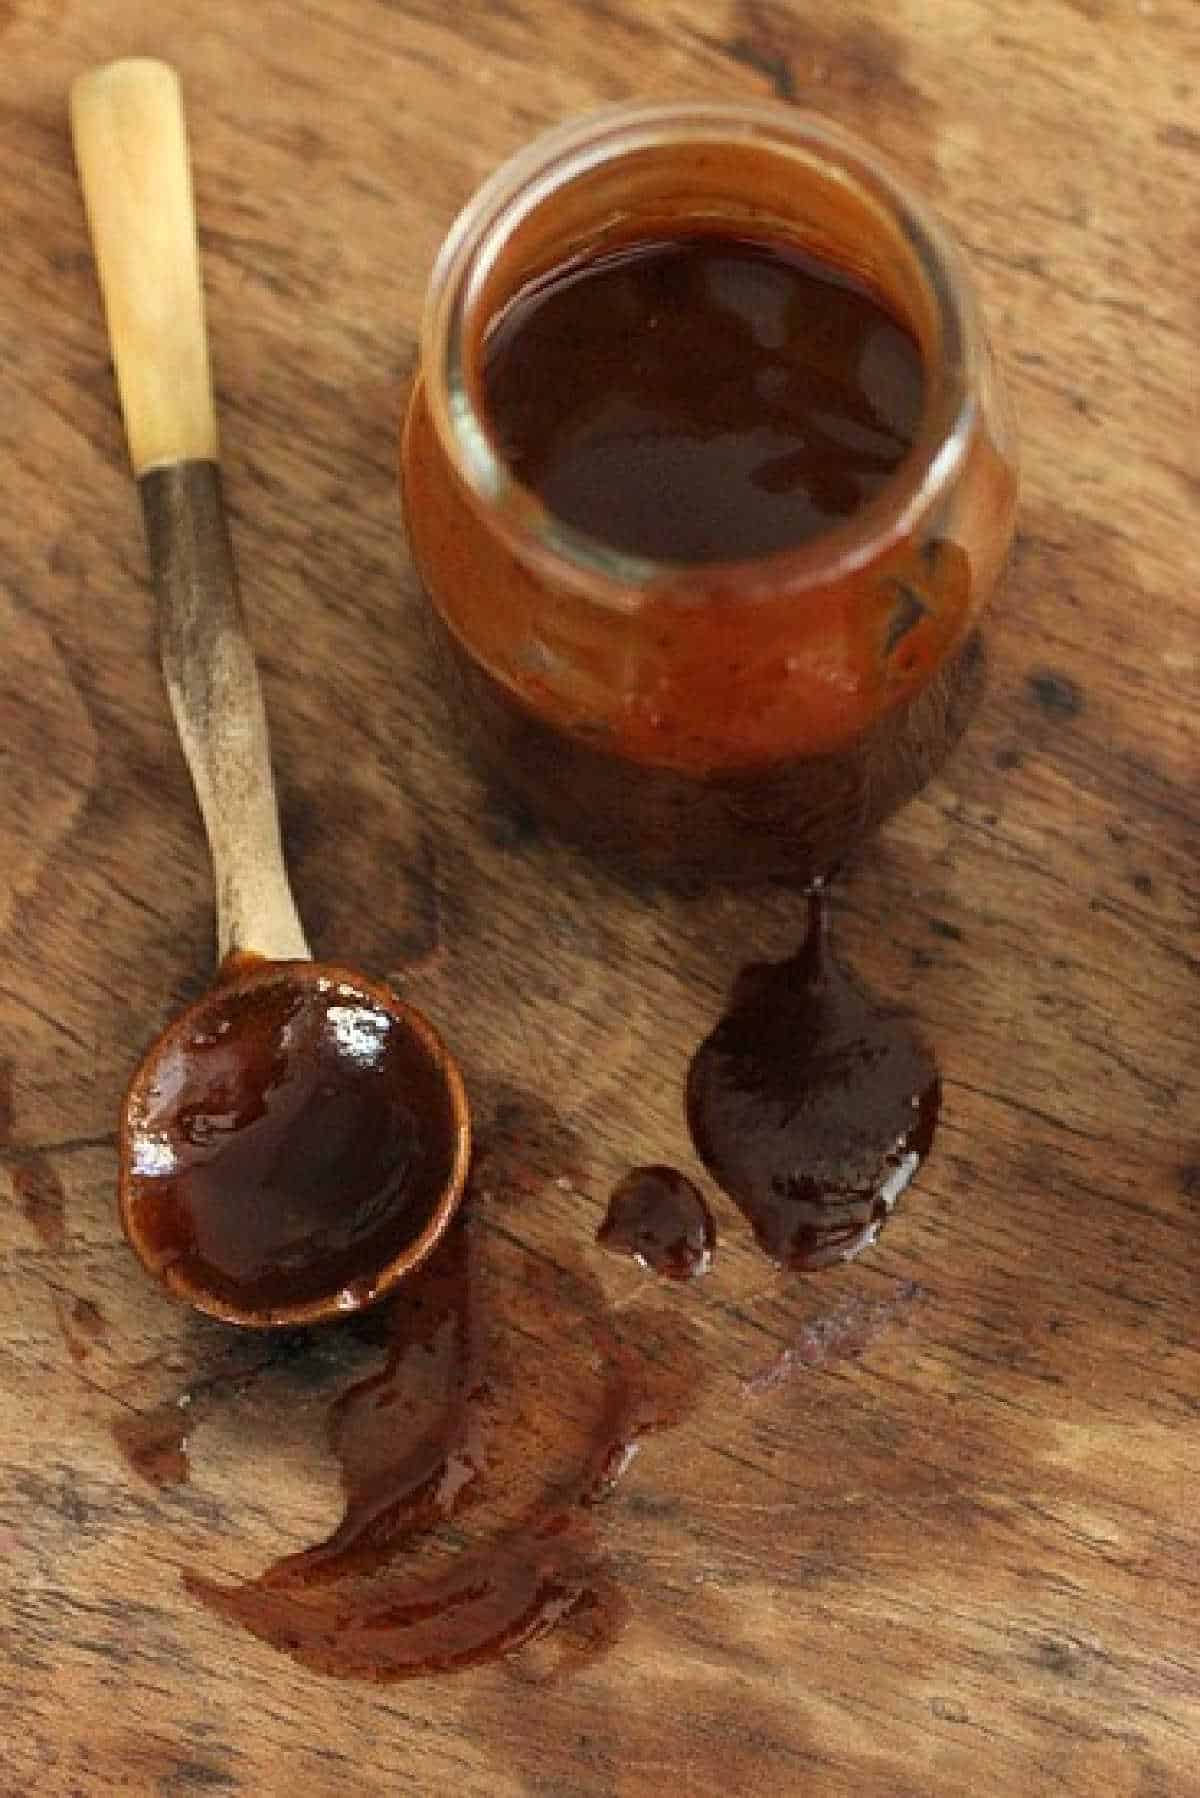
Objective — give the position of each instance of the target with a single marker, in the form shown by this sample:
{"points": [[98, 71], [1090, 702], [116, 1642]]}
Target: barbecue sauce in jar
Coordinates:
{"points": [[702, 398], [707, 479]]}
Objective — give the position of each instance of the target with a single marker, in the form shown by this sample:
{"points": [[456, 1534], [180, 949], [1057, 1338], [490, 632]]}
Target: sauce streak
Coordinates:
{"points": [[43, 1201], [811, 1104], [83, 1327], [659, 1216], [451, 1426]]}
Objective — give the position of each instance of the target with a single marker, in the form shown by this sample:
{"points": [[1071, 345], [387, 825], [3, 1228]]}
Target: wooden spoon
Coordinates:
{"points": [[297, 1141]]}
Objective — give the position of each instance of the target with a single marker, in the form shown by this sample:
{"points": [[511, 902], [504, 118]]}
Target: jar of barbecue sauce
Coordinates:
{"points": [[708, 478]]}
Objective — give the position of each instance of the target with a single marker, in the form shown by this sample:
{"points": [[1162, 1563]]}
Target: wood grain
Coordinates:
{"points": [[929, 1525]]}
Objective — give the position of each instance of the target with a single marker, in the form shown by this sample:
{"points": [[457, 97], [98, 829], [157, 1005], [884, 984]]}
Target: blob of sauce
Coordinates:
{"points": [[659, 1216], [812, 1104], [287, 1135]]}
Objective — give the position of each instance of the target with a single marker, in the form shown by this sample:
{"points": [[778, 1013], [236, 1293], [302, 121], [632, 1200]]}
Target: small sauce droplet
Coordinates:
{"points": [[812, 1104], [43, 1202], [6, 1104], [89, 1319], [154, 1443], [658, 1215]]}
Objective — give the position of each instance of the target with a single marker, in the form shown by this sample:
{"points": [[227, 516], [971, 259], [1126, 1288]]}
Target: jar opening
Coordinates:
{"points": [[631, 175]]}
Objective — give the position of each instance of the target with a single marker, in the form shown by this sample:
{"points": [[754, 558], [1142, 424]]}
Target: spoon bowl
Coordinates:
{"points": [[293, 1145]]}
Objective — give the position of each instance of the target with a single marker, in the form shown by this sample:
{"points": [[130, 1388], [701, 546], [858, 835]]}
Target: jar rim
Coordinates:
{"points": [[606, 574]]}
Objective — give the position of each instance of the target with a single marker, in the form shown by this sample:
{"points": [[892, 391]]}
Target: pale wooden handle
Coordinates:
{"points": [[131, 147], [131, 151]]}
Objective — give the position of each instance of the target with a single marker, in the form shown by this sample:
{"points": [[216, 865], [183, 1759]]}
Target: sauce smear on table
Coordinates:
{"points": [[154, 1442], [470, 1480]]}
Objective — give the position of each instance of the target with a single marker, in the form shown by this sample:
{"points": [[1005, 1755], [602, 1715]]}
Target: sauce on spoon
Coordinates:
{"points": [[286, 1139]]}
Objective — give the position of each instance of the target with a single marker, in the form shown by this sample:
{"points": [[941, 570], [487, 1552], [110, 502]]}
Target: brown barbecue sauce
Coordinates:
{"points": [[661, 1218], [701, 399], [710, 402], [812, 1104]]}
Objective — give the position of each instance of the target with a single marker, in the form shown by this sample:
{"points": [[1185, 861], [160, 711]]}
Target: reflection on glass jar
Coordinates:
{"points": [[707, 558]]}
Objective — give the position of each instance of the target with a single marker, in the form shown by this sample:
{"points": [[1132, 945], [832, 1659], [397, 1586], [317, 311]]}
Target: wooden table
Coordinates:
{"points": [[929, 1525]]}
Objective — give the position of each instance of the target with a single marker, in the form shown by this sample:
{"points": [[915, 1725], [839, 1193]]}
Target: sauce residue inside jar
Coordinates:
{"points": [[292, 1134], [812, 1104], [702, 398]]}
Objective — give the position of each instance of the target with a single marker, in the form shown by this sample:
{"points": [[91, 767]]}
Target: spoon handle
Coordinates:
{"points": [[131, 151]]}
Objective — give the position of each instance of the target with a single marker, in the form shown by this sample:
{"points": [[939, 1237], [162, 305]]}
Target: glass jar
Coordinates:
{"points": [[719, 720]]}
